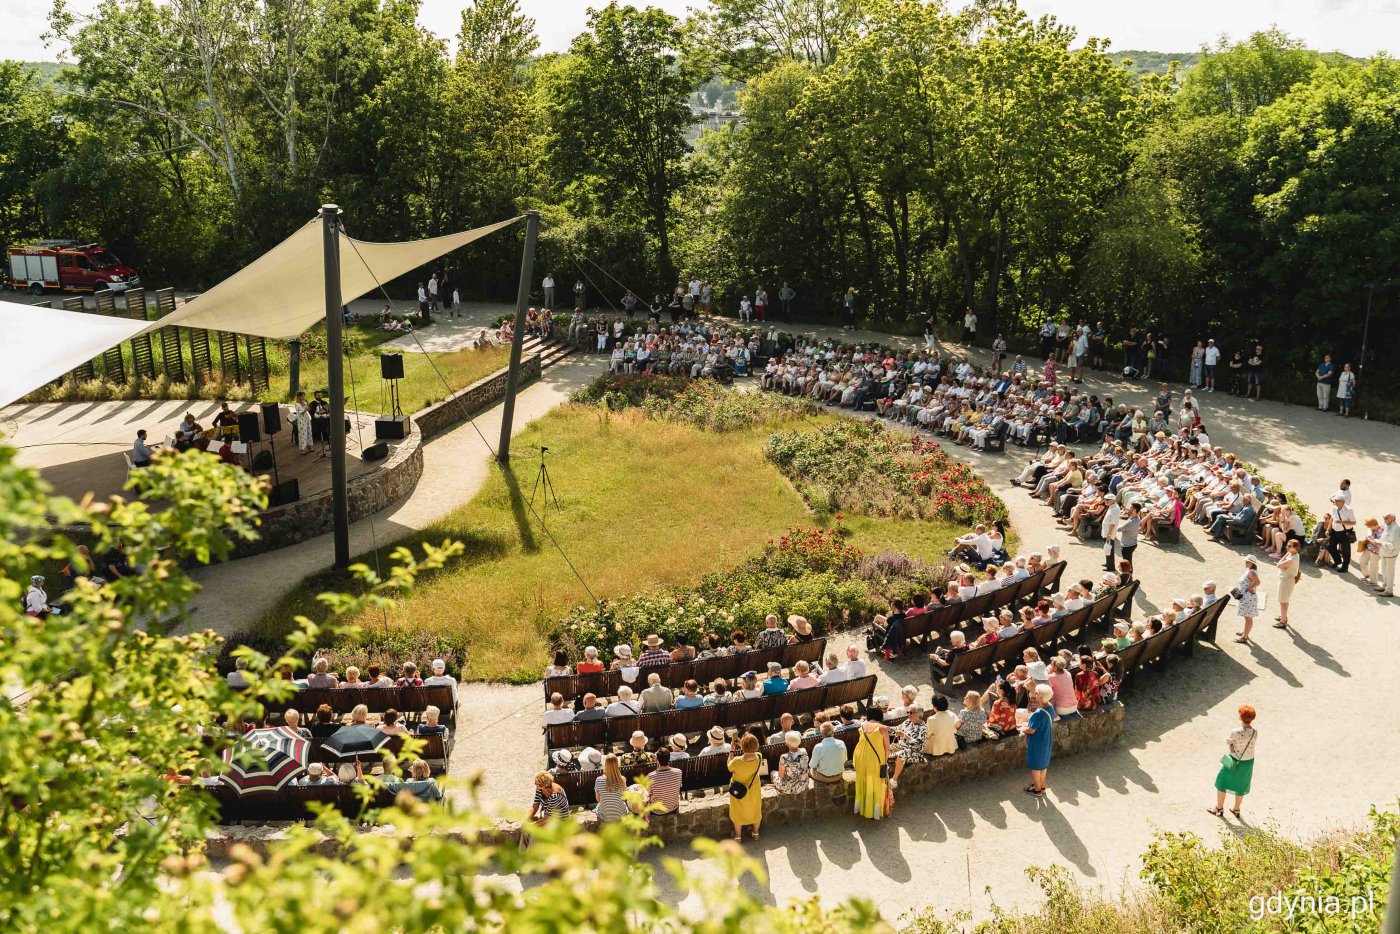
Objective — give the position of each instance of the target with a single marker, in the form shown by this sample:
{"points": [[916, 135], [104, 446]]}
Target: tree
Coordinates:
{"points": [[750, 36], [496, 35], [620, 115], [33, 142]]}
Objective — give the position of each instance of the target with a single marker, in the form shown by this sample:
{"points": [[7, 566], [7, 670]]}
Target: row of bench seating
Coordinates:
{"points": [[941, 619], [434, 751], [697, 720], [1184, 636], [675, 675], [408, 701], [982, 662]]}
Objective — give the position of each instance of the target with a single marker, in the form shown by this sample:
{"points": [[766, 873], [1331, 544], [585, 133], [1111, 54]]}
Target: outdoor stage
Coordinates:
{"points": [[78, 446]]}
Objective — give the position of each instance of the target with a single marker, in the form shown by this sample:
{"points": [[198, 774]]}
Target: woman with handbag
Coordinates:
{"points": [[745, 794], [1237, 765], [1246, 594], [1289, 573], [1039, 741], [871, 760]]}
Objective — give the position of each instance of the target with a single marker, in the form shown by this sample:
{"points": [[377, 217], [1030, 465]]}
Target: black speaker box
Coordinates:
{"points": [[272, 418], [391, 366], [288, 491], [375, 452], [393, 428], [248, 428]]}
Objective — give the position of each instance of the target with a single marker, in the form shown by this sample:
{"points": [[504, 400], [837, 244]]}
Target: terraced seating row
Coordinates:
{"points": [[1183, 635], [407, 701], [981, 663], [692, 722], [942, 618]]}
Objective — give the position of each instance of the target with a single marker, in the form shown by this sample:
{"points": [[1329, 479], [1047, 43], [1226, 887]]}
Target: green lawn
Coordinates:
{"points": [[421, 385], [645, 504]]}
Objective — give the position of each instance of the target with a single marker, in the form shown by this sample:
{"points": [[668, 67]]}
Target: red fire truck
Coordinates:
{"points": [[70, 266]]}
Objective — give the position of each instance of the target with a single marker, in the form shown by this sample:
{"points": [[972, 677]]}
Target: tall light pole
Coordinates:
{"points": [[335, 374], [522, 298]]}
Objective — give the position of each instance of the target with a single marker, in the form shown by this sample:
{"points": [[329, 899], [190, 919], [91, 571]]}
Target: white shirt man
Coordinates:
{"points": [[970, 322], [835, 672], [441, 677], [1212, 356], [433, 288], [855, 665], [1390, 549], [624, 706], [695, 287], [556, 712], [36, 601], [1111, 517]]}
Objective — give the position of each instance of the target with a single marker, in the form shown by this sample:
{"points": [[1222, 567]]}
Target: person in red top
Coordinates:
{"points": [[408, 677], [590, 664], [1086, 683]]}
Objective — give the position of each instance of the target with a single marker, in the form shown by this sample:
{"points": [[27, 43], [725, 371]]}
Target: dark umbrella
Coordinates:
{"points": [[354, 740], [266, 760]]}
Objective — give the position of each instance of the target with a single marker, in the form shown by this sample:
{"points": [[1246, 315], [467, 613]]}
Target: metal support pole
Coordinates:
{"points": [[522, 299], [335, 372], [294, 368]]}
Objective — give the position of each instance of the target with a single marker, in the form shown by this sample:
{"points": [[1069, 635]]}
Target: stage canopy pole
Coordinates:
{"points": [[522, 299], [335, 374]]}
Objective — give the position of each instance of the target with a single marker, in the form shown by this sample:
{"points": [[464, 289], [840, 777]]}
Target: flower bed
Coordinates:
{"points": [[703, 403], [861, 466]]}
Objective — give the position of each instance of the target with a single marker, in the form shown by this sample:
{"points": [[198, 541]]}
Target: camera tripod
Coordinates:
{"points": [[545, 484]]}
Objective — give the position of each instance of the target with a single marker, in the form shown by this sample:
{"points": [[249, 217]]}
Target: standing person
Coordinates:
{"points": [[1098, 344], [1210, 359], [998, 354], [786, 295], [1237, 765], [548, 284], [1077, 355], [1325, 374], [848, 305], [1128, 528], [1130, 353], [1248, 596], [629, 304], [1289, 573], [1341, 532], [706, 295], [969, 333], [446, 291], [301, 423], [1198, 362], [746, 806], [871, 761], [1164, 354], [433, 292], [1047, 339], [1368, 550], [1390, 549], [423, 302], [456, 302], [931, 332], [1112, 517], [1254, 373], [580, 295], [1039, 741], [1346, 390], [1237, 373], [760, 304], [1149, 355]]}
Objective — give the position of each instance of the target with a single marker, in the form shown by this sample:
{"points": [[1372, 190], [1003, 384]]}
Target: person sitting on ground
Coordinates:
{"points": [[591, 709], [556, 712], [717, 744], [974, 546], [408, 676], [624, 706], [656, 696], [793, 766], [775, 683], [390, 725], [771, 637]]}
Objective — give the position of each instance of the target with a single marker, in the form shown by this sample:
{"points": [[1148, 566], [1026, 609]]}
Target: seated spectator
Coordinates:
{"points": [[972, 720], [350, 773], [828, 759], [664, 787], [714, 647], [655, 653], [429, 725], [655, 696], [771, 637], [590, 709], [325, 723], [835, 672], [623, 657], [624, 706], [855, 665], [321, 675], [717, 744], [564, 762], [683, 652], [1001, 721], [679, 747], [908, 741], [849, 719], [1121, 638], [440, 678], [391, 725], [375, 679], [775, 683], [636, 753], [591, 664], [785, 724], [941, 729], [291, 719], [739, 642], [238, 678], [408, 676], [748, 688], [1035, 668], [793, 766], [608, 789], [318, 774], [560, 667], [802, 677], [801, 629], [690, 696], [420, 782], [556, 712], [352, 678], [719, 693], [943, 657]]}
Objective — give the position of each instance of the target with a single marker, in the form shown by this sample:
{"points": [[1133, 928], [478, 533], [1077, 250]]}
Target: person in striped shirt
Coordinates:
{"points": [[664, 795]]}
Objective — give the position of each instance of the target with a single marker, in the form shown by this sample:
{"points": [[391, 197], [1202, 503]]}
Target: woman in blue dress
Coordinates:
{"points": [[1039, 740]]}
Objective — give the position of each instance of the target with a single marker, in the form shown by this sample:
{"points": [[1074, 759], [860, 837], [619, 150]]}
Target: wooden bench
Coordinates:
{"points": [[697, 720], [942, 619], [702, 670], [435, 751], [408, 701], [293, 803]]}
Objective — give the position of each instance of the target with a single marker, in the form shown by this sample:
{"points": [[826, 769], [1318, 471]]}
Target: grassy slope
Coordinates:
{"points": [[421, 385], [646, 504]]}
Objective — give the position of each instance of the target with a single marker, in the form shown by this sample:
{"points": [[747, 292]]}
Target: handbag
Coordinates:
{"points": [[884, 766], [1236, 593], [1349, 535], [1228, 761], [737, 790]]}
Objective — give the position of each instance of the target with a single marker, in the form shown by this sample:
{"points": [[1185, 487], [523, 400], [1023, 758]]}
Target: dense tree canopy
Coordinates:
{"points": [[931, 157]]}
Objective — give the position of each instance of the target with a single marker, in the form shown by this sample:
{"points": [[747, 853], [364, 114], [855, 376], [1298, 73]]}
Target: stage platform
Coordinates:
{"points": [[78, 446]]}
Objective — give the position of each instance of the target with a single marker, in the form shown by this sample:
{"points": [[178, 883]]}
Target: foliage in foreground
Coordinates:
{"points": [[1252, 882], [97, 710], [864, 467]]}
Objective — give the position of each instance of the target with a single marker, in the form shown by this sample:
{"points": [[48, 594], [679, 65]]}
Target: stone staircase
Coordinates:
{"points": [[550, 352]]}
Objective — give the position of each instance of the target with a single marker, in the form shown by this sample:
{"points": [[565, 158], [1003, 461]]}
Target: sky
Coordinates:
{"points": [[1357, 27]]}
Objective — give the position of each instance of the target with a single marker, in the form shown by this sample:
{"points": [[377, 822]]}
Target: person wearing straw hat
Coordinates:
{"points": [[679, 747], [717, 744], [318, 774], [564, 761], [655, 653], [802, 630], [622, 657]]}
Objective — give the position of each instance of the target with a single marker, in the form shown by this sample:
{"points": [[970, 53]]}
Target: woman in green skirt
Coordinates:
{"points": [[1237, 765]]}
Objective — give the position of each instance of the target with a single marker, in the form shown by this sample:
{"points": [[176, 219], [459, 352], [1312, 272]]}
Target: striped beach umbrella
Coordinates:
{"points": [[266, 760]]}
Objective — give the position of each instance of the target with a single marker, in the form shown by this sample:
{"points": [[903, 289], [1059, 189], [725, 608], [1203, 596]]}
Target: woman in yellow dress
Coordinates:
{"points": [[744, 763], [872, 753]]}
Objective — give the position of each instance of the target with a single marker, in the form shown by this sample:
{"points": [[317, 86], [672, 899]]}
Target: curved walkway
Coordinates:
{"points": [[1103, 809]]}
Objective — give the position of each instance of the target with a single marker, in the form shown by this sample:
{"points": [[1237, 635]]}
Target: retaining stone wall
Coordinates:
{"points": [[477, 397]]}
